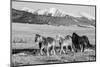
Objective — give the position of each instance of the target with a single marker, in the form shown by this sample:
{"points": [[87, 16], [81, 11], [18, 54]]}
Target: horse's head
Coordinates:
{"points": [[68, 37], [74, 35], [38, 38], [59, 38]]}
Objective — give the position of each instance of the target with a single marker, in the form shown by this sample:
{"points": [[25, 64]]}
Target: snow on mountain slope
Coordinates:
{"points": [[57, 12], [62, 17], [52, 11], [42, 11], [86, 15], [28, 9]]}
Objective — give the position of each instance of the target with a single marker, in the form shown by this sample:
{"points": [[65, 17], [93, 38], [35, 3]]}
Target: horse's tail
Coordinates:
{"points": [[91, 46]]}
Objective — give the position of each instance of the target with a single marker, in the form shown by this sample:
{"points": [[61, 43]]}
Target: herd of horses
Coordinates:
{"points": [[63, 44]]}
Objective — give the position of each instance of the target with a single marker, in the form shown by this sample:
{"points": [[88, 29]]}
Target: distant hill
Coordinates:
{"points": [[21, 16]]}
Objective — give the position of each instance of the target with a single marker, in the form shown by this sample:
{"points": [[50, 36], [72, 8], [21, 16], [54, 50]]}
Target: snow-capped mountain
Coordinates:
{"points": [[62, 17], [57, 12], [52, 11], [28, 10]]}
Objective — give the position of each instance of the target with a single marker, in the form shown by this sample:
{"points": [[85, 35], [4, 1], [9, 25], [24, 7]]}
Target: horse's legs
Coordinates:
{"points": [[47, 51], [41, 52], [54, 50], [82, 47], [69, 47], [61, 50], [74, 49], [64, 51]]}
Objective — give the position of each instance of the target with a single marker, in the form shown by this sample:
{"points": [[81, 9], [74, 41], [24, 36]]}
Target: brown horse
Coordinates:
{"points": [[45, 42]]}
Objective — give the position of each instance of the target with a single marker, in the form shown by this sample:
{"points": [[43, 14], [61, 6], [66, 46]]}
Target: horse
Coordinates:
{"points": [[68, 38], [44, 42], [80, 42], [65, 42]]}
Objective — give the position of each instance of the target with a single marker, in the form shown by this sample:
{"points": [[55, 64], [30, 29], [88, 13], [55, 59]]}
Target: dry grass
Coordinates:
{"points": [[23, 38], [25, 59]]}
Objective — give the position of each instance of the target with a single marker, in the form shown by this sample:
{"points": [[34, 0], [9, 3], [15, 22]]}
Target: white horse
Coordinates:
{"points": [[65, 42]]}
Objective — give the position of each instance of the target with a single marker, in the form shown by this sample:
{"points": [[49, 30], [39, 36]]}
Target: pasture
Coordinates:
{"points": [[23, 38]]}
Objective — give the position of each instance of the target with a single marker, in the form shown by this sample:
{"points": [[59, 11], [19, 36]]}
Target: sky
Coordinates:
{"points": [[73, 9]]}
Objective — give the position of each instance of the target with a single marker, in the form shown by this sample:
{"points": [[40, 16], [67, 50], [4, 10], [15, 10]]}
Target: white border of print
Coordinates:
{"points": [[5, 33]]}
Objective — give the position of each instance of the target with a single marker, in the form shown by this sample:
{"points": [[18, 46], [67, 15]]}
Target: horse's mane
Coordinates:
{"points": [[37, 35], [68, 37], [75, 35]]}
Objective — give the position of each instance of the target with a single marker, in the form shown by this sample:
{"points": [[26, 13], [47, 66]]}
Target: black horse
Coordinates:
{"points": [[80, 42]]}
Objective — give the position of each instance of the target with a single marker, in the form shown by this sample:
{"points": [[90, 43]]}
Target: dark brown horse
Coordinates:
{"points": [[80, 42]]}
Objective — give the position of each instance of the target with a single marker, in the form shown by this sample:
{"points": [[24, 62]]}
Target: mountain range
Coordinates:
{"points": [[52, 11], [50, 16]]}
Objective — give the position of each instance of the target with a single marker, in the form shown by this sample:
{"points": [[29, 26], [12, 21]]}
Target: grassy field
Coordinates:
{"points": [[23, 38]]}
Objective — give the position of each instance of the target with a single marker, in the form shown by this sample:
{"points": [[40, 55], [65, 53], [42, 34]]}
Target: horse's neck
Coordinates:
{"points": [[75, 36], [57, 42], [68, 40], [44, 39]]}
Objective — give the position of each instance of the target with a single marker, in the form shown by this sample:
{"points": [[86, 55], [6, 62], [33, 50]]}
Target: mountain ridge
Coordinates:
{"points": [[28, 17], [56, 12]]}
